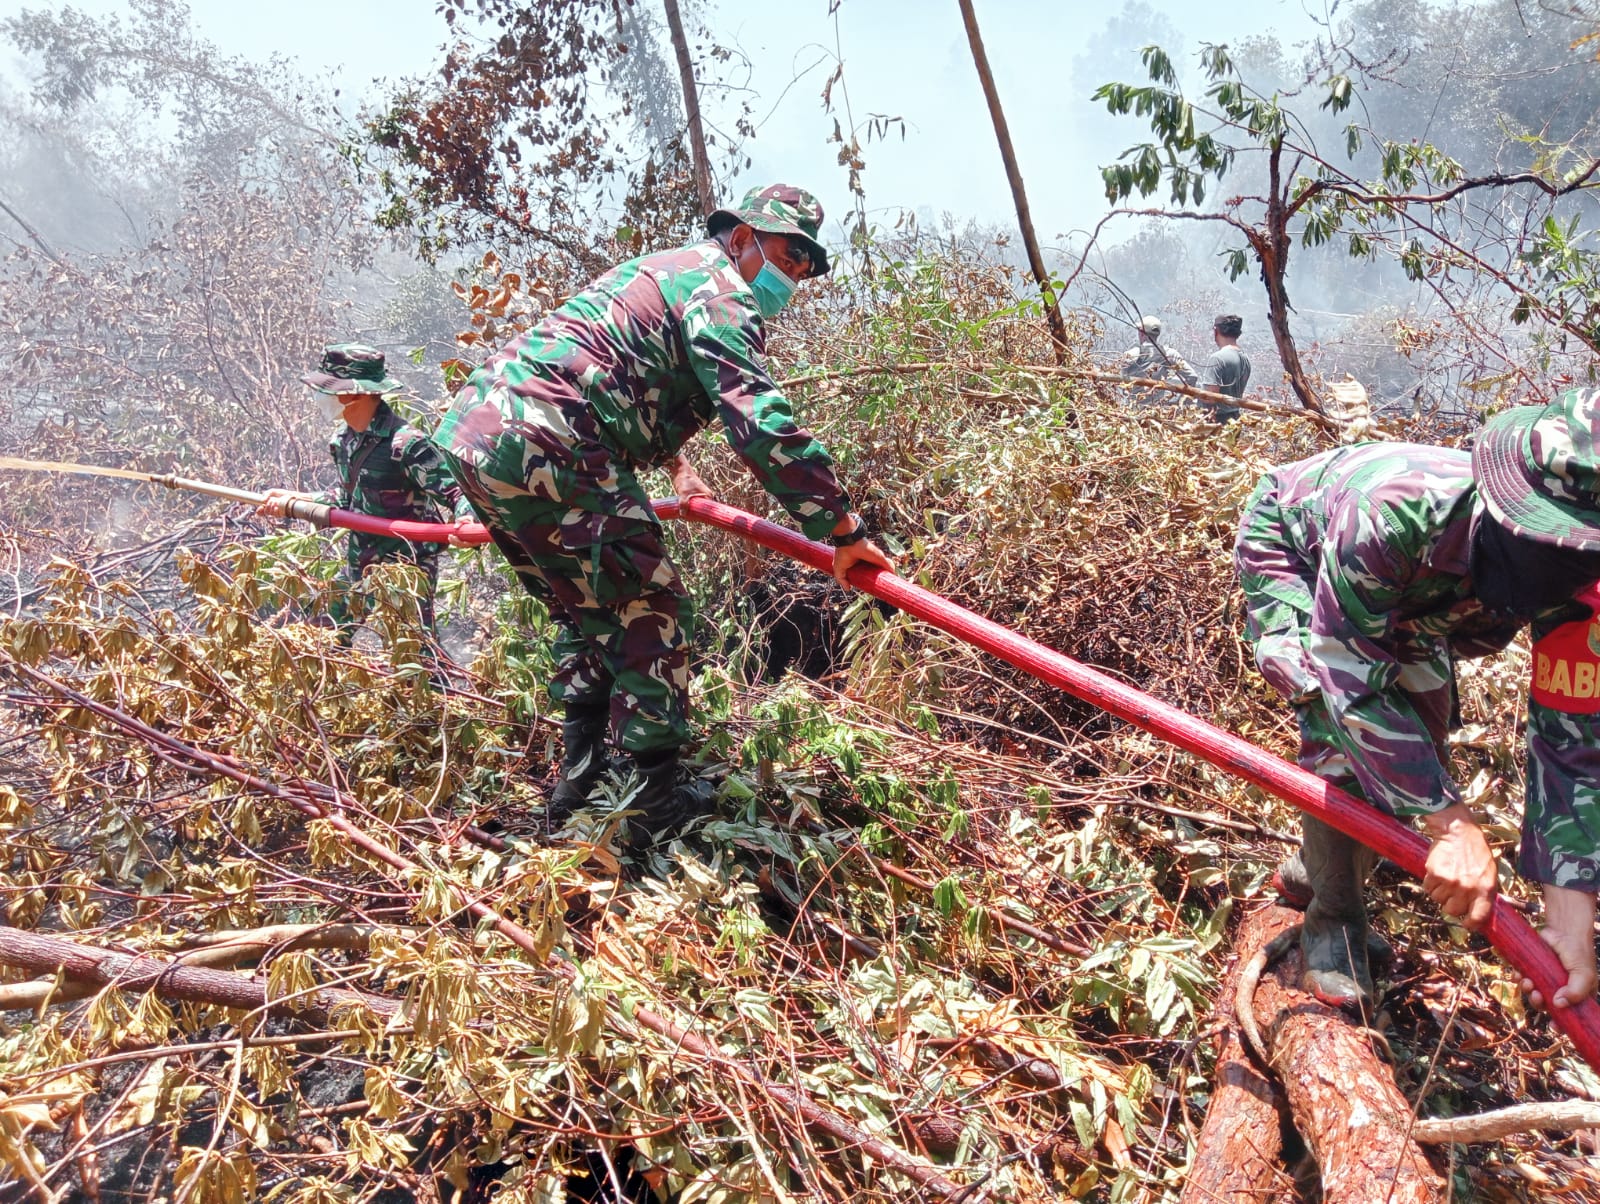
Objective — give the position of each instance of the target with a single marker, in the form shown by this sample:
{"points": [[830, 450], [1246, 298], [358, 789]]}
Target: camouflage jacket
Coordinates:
{"points": [[641, 360], [398, 473], [1153, 361], [1379, 534]]}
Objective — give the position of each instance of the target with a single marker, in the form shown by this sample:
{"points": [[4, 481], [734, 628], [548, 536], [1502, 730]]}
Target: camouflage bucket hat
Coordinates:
{"points": [[783, 209], [1538, 469], [352, 368]]}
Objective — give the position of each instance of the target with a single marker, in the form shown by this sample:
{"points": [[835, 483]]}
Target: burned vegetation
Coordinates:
{"points": [[284, 921]]}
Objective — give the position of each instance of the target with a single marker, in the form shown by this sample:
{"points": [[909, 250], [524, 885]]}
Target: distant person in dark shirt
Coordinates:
{"points": [[1228, 369]]}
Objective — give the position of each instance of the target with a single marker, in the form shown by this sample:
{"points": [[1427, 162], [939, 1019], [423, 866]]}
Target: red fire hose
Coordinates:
{"points": [[1506, 930]]}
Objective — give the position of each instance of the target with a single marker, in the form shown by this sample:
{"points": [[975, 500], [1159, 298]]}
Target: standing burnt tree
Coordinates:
{"points": [[164, 291], [542, 116]]}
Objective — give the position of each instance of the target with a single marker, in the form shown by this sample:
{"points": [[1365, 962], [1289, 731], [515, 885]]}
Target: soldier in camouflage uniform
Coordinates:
{"points": [[386, 468], [548, 437], [1367, 570]]}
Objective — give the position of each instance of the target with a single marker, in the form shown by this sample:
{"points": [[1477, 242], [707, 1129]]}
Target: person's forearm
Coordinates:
{"points": [[1567, 909]]}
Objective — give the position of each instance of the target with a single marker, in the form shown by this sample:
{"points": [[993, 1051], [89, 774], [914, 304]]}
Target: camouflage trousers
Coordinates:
{"points": [[364, 551], [1325, 743], [624, 620]]}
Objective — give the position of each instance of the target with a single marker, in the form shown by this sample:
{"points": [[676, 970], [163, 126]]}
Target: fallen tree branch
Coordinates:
{"points": [[1561, 1116], [1110, 378], [137, 974], [215, 950]]}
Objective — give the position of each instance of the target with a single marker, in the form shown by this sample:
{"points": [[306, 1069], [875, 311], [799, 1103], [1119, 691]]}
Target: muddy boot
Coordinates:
{"points": [[1334, 937], [1294, 890], [583, 757], [663, 802]]}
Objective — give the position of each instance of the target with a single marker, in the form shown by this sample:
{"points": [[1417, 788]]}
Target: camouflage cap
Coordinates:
{"points": [[783, 209], [1538, 470], [352, 368]]}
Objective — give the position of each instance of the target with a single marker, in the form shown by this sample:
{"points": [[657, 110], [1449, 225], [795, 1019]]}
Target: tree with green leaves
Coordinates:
{"points": [[1411, 205]]}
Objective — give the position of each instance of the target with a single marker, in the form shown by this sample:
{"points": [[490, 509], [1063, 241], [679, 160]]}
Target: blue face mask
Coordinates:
{"points": [[772, 288]]}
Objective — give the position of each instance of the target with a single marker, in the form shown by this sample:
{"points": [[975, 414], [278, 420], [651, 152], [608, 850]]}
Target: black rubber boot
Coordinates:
{"points": [[664, 804], [1334, 937], [583, 757], [1294, 890]]}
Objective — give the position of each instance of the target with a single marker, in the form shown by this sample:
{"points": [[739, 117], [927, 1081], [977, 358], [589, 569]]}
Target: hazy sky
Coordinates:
{"points": [[903, 58]]}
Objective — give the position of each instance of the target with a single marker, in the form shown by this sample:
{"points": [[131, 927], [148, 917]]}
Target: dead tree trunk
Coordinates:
{"points": [[691, 106], [39, 954], [1239, 1155], [1343, 1099], [1058, 329]]}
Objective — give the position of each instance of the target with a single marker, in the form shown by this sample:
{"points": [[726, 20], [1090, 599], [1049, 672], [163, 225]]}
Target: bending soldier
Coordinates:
{"points": [[547, 437], [386, 468], [1367, 570]]}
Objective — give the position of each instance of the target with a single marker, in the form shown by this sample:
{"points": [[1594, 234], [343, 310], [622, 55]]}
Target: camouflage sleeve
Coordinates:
{"points": [[1367, 559], [1561, 816], [1277, 585], [725, 346], [425, 468], [1181, 367], [1128, 364]]}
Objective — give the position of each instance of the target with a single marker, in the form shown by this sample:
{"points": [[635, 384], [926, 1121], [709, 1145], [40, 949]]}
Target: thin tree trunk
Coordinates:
{"points": [[1273, 252], [691, 105], [1239, 1154], [1058, 329]]}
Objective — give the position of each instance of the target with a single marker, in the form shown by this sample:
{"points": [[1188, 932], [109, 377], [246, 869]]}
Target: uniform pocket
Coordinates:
{"points": [[583, 529]]}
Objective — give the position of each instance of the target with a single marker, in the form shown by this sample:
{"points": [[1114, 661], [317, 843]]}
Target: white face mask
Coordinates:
{"points": [[332, 408]]}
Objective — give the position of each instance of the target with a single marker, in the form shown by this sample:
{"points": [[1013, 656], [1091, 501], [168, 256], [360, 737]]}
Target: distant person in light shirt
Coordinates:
{"points": [[1152, 359]]}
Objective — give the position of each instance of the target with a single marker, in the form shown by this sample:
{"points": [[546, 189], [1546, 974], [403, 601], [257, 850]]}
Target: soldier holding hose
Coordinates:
{"points": [[1367, 570]]}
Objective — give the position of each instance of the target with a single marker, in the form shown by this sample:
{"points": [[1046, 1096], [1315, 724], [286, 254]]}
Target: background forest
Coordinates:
{"points": [[975, 919]]}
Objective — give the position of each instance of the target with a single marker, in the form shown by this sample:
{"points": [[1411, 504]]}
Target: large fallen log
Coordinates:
{"points": [[1343, 1099], [1239, 1154]]}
